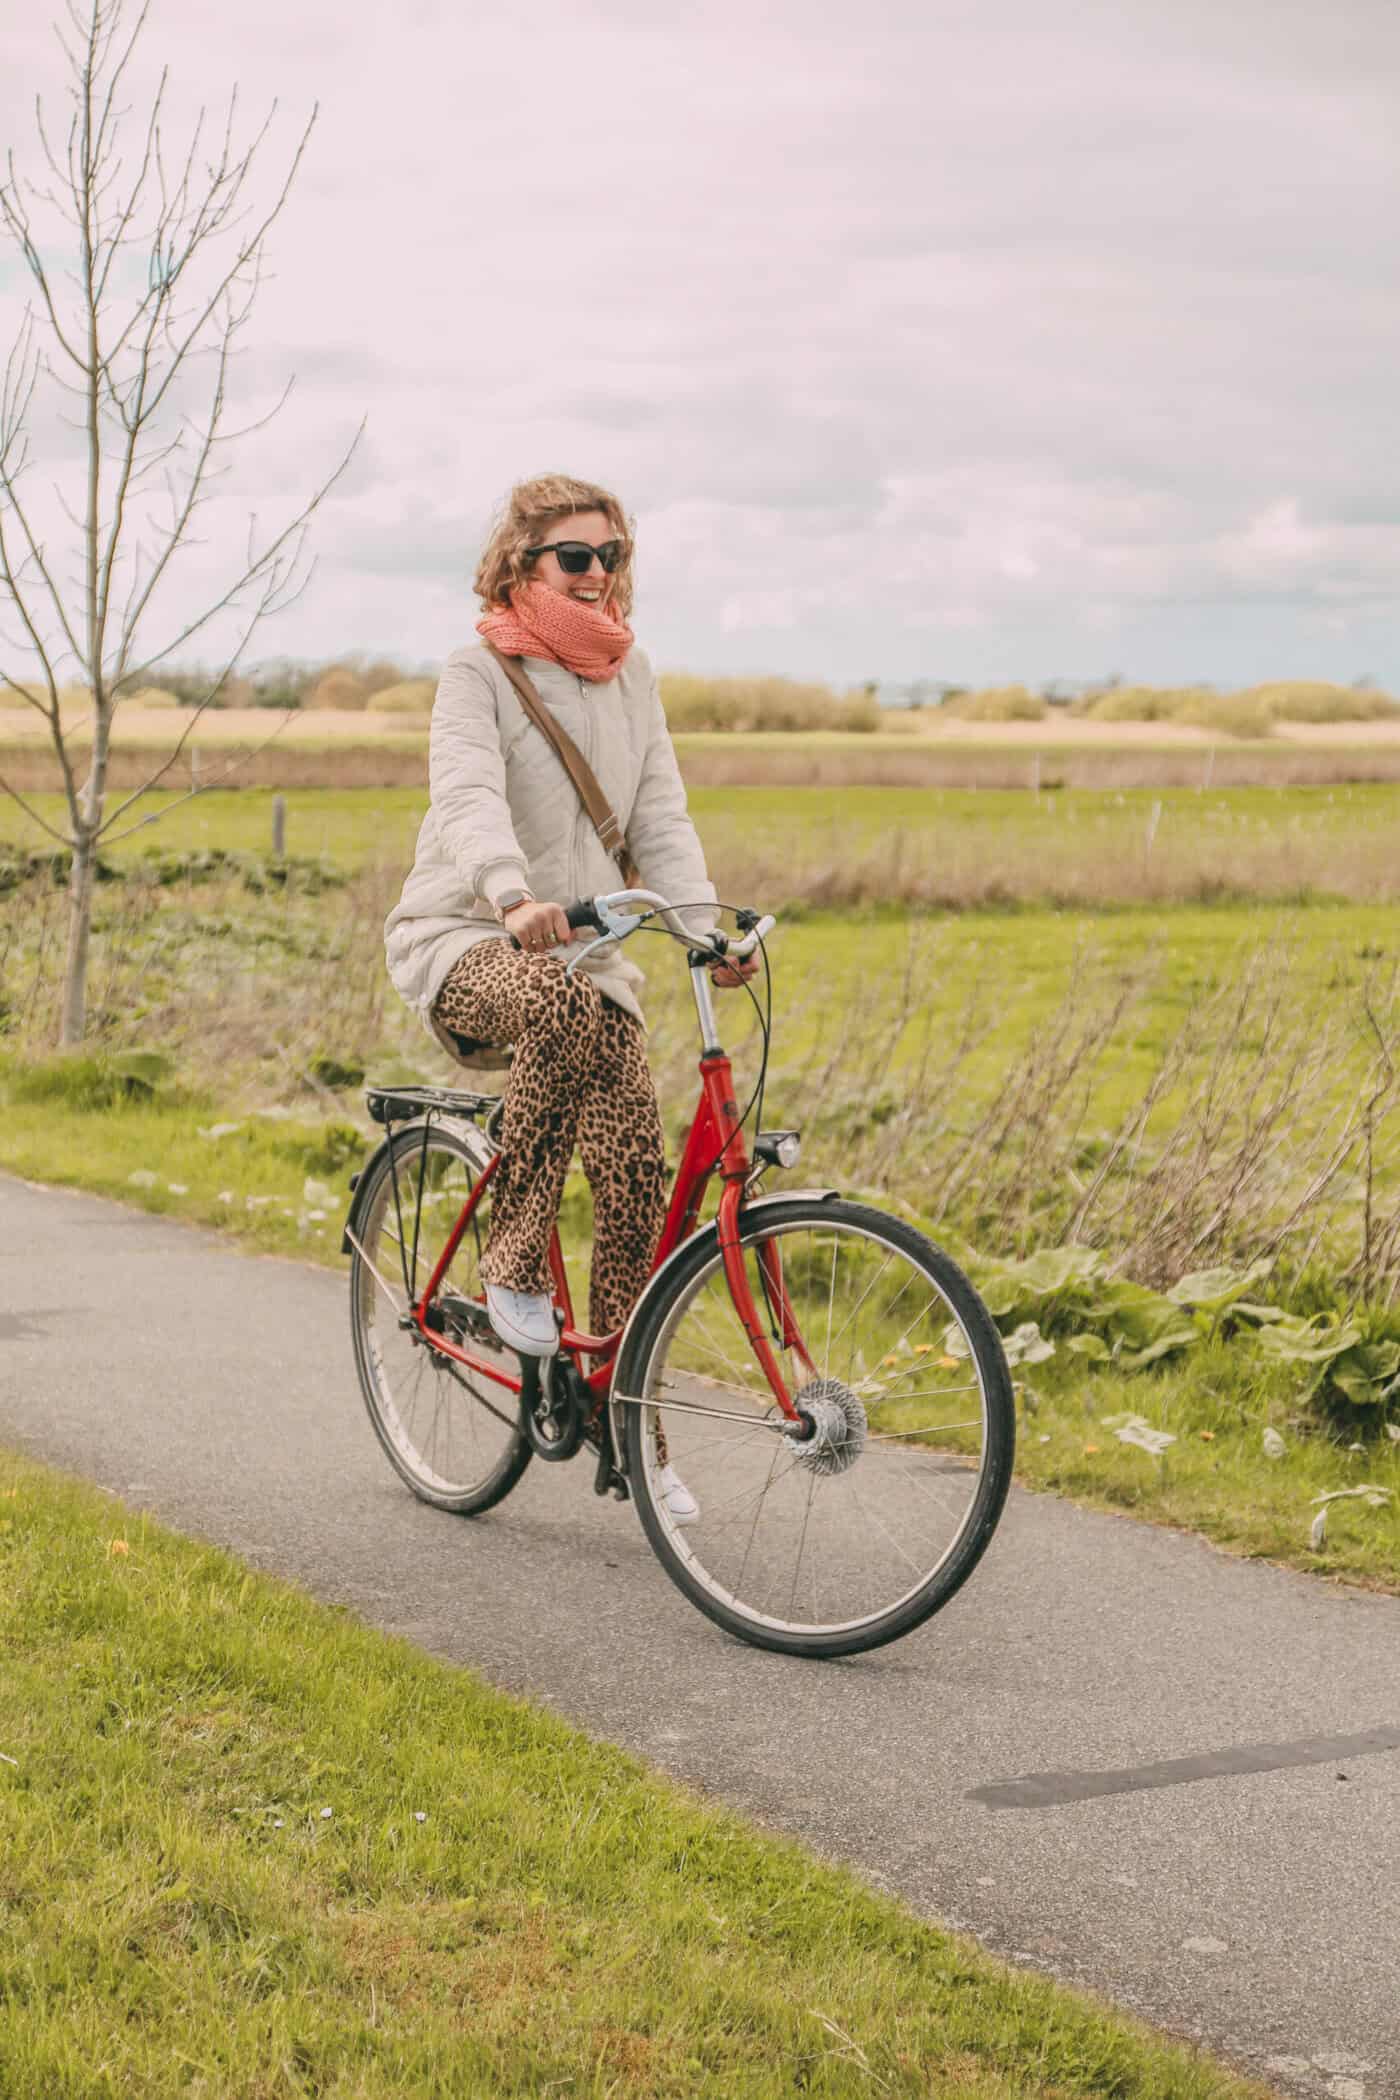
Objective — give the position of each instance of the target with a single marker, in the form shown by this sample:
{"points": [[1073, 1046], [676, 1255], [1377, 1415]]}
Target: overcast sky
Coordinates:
{"points": [[972, 341]]}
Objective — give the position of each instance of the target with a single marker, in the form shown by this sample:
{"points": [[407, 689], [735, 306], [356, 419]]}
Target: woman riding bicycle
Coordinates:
{"points": [[506, 843]]}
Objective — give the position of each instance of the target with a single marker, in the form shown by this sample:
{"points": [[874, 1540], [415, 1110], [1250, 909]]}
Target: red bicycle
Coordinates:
{"points": [[825, 1379]]}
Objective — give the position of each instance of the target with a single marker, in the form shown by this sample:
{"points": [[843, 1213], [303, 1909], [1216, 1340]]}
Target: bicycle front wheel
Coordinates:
{"points": [[855, 1527]]}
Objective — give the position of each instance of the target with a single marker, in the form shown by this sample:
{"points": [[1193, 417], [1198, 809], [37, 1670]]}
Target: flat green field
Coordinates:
{"points": [[953, 847]]}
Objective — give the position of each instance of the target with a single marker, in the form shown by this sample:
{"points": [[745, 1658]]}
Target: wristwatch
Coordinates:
{"points": [[508, 900]]}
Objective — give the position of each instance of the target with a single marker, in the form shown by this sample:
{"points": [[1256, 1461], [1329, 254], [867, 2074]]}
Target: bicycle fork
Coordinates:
{"points": [[784, 1324]]}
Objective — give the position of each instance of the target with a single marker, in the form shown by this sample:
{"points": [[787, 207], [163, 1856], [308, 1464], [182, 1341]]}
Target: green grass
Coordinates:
{"points": [[249, 1847], [936, 845], [1217, 1478]]}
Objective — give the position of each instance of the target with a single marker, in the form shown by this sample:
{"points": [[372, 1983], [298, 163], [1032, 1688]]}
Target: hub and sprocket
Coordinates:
{"points": [[833, 1429]]}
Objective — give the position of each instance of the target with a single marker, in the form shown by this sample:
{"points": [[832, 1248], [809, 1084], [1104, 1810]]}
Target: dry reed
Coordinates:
{"points": [[1266, 1121]]}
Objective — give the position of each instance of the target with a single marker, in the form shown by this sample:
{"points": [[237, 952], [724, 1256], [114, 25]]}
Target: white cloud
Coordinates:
{"points": [[979, 330]]}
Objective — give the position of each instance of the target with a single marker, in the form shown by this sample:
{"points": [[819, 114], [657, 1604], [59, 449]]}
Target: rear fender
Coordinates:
{"points": [[403, 1138]]}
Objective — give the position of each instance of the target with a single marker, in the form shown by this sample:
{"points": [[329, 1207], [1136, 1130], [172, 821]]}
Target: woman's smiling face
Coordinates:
{"points": [[594, 529]]}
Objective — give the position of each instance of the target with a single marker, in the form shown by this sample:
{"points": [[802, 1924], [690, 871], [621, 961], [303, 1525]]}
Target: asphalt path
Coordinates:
{"points": [[1117, 1756]]}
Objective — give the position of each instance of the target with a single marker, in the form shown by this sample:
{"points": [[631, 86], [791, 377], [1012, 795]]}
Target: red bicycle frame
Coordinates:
{"points": [[714, 1144]]}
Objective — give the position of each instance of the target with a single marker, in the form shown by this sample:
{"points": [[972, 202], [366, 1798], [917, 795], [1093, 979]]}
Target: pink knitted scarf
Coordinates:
{"points": [[588, 640]]}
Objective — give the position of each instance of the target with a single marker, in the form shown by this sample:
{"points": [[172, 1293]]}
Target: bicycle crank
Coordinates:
{"points": [[831, 1429], [552, 1408]]}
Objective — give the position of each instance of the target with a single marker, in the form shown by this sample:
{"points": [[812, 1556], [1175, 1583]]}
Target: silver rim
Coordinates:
{"points": [[451, 1430], [825, 1537]]}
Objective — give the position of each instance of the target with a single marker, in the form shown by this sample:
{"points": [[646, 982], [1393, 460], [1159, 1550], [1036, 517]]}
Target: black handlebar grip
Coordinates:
{"points": [[579, 914]]}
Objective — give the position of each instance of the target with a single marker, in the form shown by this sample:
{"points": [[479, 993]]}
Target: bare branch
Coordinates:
{"points": [[11, 582], [17, 685], [36, 555], [241, 758], [177, 533], [29, 810], [254, 568], [17, 220], [118, 69], [117, 240], [265, 606], [181, 351]]}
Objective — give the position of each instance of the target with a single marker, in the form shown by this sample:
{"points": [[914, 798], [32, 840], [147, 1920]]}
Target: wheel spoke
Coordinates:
{"points": [[881, 1510], [455, 1442]]}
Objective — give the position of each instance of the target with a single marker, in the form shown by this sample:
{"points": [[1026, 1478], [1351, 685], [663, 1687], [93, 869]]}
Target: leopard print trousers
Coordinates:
{"points": [[579, 1076]]}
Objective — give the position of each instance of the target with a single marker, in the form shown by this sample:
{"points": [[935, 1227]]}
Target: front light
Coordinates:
{"points": [[789, 1149]]}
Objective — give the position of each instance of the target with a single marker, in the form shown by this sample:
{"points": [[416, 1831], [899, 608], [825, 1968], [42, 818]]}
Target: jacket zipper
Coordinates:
{"points": [[581, 818]]}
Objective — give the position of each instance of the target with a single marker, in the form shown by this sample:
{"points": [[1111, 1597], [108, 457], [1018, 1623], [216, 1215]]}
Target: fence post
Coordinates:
{"points": [[279, 827], [1154, 819]]}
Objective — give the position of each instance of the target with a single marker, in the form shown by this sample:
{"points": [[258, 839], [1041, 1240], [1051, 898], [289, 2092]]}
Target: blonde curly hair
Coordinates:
{"points": [[529, 509]]}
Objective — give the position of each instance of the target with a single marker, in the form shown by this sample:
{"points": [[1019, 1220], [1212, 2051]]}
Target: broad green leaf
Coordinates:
{"points": [[1165, 1345], [1213, 1289], [1312, 1341], [1017, 1289], [1256, 1315], [1142, 1325], [1365, 1373]]}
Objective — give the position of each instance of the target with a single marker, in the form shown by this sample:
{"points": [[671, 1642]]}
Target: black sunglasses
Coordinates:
{"points": [[575, 557]]}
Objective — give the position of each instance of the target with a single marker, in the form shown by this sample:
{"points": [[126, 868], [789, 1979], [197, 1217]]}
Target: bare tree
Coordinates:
{"points": [[135, 317]]}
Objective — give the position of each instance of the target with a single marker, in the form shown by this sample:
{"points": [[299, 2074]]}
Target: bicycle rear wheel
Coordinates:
{"points": [[854, 1531], [453, 1433]]}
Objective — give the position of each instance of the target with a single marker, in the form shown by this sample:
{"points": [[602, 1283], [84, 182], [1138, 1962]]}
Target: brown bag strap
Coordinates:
{"points": [[591, 795]]}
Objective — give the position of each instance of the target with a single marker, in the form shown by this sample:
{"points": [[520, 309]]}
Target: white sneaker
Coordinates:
{"points": [[523, 1319], [676, 1499]]}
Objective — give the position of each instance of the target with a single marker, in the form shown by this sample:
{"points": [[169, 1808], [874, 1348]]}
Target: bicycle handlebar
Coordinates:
{"points": [[609, 917]]}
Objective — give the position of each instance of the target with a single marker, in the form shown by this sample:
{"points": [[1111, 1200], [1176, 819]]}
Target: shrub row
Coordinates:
{"points": [[784, 704], [1250, 712]]}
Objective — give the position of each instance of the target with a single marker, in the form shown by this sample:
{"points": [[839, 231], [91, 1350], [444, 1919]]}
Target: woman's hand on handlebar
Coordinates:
{"points": [[538, 927], [734, 972]]}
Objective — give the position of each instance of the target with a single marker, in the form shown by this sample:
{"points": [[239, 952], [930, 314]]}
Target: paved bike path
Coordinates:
{"points": [[1118, 1755]]}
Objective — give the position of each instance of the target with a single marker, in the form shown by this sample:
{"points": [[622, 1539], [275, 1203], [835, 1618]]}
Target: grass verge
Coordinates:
{"points": [[251, 1847], [1255, 1494]]}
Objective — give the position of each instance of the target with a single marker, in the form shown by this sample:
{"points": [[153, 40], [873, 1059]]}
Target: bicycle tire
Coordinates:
{"points": [[472, 1498], [639, 1371]]}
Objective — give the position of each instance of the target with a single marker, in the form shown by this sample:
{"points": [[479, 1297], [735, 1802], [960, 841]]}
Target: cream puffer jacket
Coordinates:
{"points": [[504, 814]]}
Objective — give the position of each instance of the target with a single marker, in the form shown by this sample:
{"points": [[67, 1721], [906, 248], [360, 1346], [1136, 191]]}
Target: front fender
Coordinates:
{"points": [[661, 1277]]}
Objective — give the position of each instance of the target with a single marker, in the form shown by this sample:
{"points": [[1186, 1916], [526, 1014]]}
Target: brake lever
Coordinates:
{"points": [[616, 927], [603, 940]]}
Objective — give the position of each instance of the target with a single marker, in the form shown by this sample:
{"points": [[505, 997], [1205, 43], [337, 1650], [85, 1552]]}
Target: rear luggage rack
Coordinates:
{"points": [[400, 1104]]}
